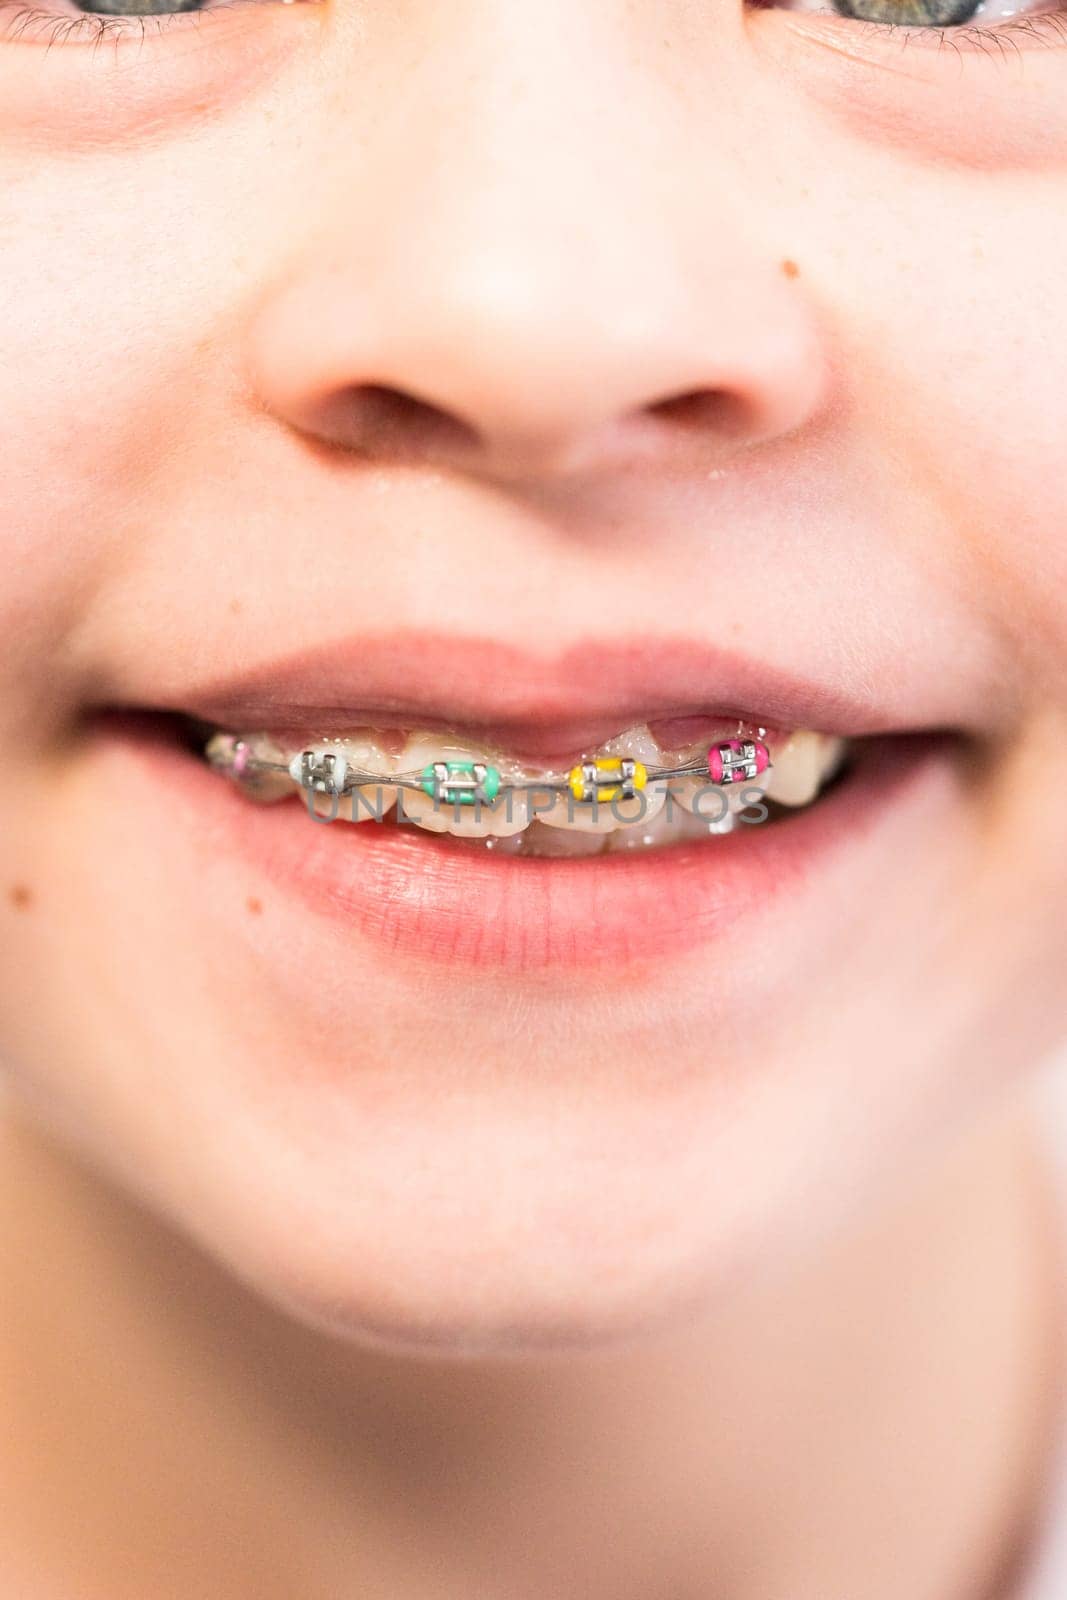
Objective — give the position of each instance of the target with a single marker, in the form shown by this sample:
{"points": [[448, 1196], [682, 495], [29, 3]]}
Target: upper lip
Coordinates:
{"points": [[518, 698]]}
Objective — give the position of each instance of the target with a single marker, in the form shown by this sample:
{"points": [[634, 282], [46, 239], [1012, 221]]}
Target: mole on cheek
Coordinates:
{"points": [[790, 269], [255, 906], [21, 896]]}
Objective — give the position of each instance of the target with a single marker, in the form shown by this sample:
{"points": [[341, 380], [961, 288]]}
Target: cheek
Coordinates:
{"points": [[123, 274], [991, 433], [76, 361], [947, 298], [103, 297], [924, 201]]}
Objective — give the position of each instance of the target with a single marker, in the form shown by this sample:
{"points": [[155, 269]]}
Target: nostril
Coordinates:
{"points": [[704, 410], [390, 422]]}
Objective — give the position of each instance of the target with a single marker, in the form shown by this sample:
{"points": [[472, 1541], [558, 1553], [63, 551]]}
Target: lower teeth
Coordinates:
{"points": [[539, 840], [673, 825]]}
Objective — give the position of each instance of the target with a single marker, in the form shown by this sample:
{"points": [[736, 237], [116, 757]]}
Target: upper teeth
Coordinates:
{"points": [[449, 787]]}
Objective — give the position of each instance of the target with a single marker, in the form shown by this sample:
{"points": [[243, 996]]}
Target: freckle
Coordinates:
{"points": [[21, 896], [255, 906], [790, 269], [235, 607]]}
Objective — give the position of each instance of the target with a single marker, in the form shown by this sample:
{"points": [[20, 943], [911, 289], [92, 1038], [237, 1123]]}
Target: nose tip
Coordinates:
{"points": [[545, 384]]}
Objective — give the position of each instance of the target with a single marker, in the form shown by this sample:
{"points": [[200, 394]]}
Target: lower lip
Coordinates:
{"points": [[404, 891]]}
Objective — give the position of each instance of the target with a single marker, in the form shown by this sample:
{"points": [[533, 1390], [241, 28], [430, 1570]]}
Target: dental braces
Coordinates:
{"points": [[469, 782]]}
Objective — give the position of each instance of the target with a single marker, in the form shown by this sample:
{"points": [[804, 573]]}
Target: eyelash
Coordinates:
{"points": [[27, 22], [1047, 28]]}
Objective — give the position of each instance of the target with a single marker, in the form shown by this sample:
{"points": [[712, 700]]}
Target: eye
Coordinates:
{"points": [[136, 8], [73, 22], [917, 13]]}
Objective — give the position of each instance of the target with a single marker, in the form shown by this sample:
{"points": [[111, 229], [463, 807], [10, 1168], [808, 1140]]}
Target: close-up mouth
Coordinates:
{"points": [[448, 797], [647, 788], [441, 841]]}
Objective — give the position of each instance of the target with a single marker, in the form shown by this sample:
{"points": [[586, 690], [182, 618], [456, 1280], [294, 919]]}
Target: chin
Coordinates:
{"points": [[481, 1220]]}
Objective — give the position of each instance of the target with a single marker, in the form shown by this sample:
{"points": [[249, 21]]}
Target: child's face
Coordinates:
{"points": [[347, 328]]}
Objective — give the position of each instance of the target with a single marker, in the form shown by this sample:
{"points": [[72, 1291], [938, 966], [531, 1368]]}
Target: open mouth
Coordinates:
{"points": [[654, 788], [649, 787], [560, 814], [670, 783]]}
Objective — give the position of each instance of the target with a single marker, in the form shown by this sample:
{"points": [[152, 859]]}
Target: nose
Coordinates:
{"points": [[478, 300]]}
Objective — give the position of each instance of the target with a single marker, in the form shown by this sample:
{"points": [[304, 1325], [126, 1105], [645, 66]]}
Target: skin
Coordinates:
{"points": [[539, 222]]}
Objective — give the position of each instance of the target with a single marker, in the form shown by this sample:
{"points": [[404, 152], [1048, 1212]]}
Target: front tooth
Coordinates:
{"points": [[607, 815], [567, 811], [796, 775], [508, 814]]}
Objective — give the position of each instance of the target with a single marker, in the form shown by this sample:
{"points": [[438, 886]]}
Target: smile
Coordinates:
{"points": [[610, 806], [633, 792]]}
